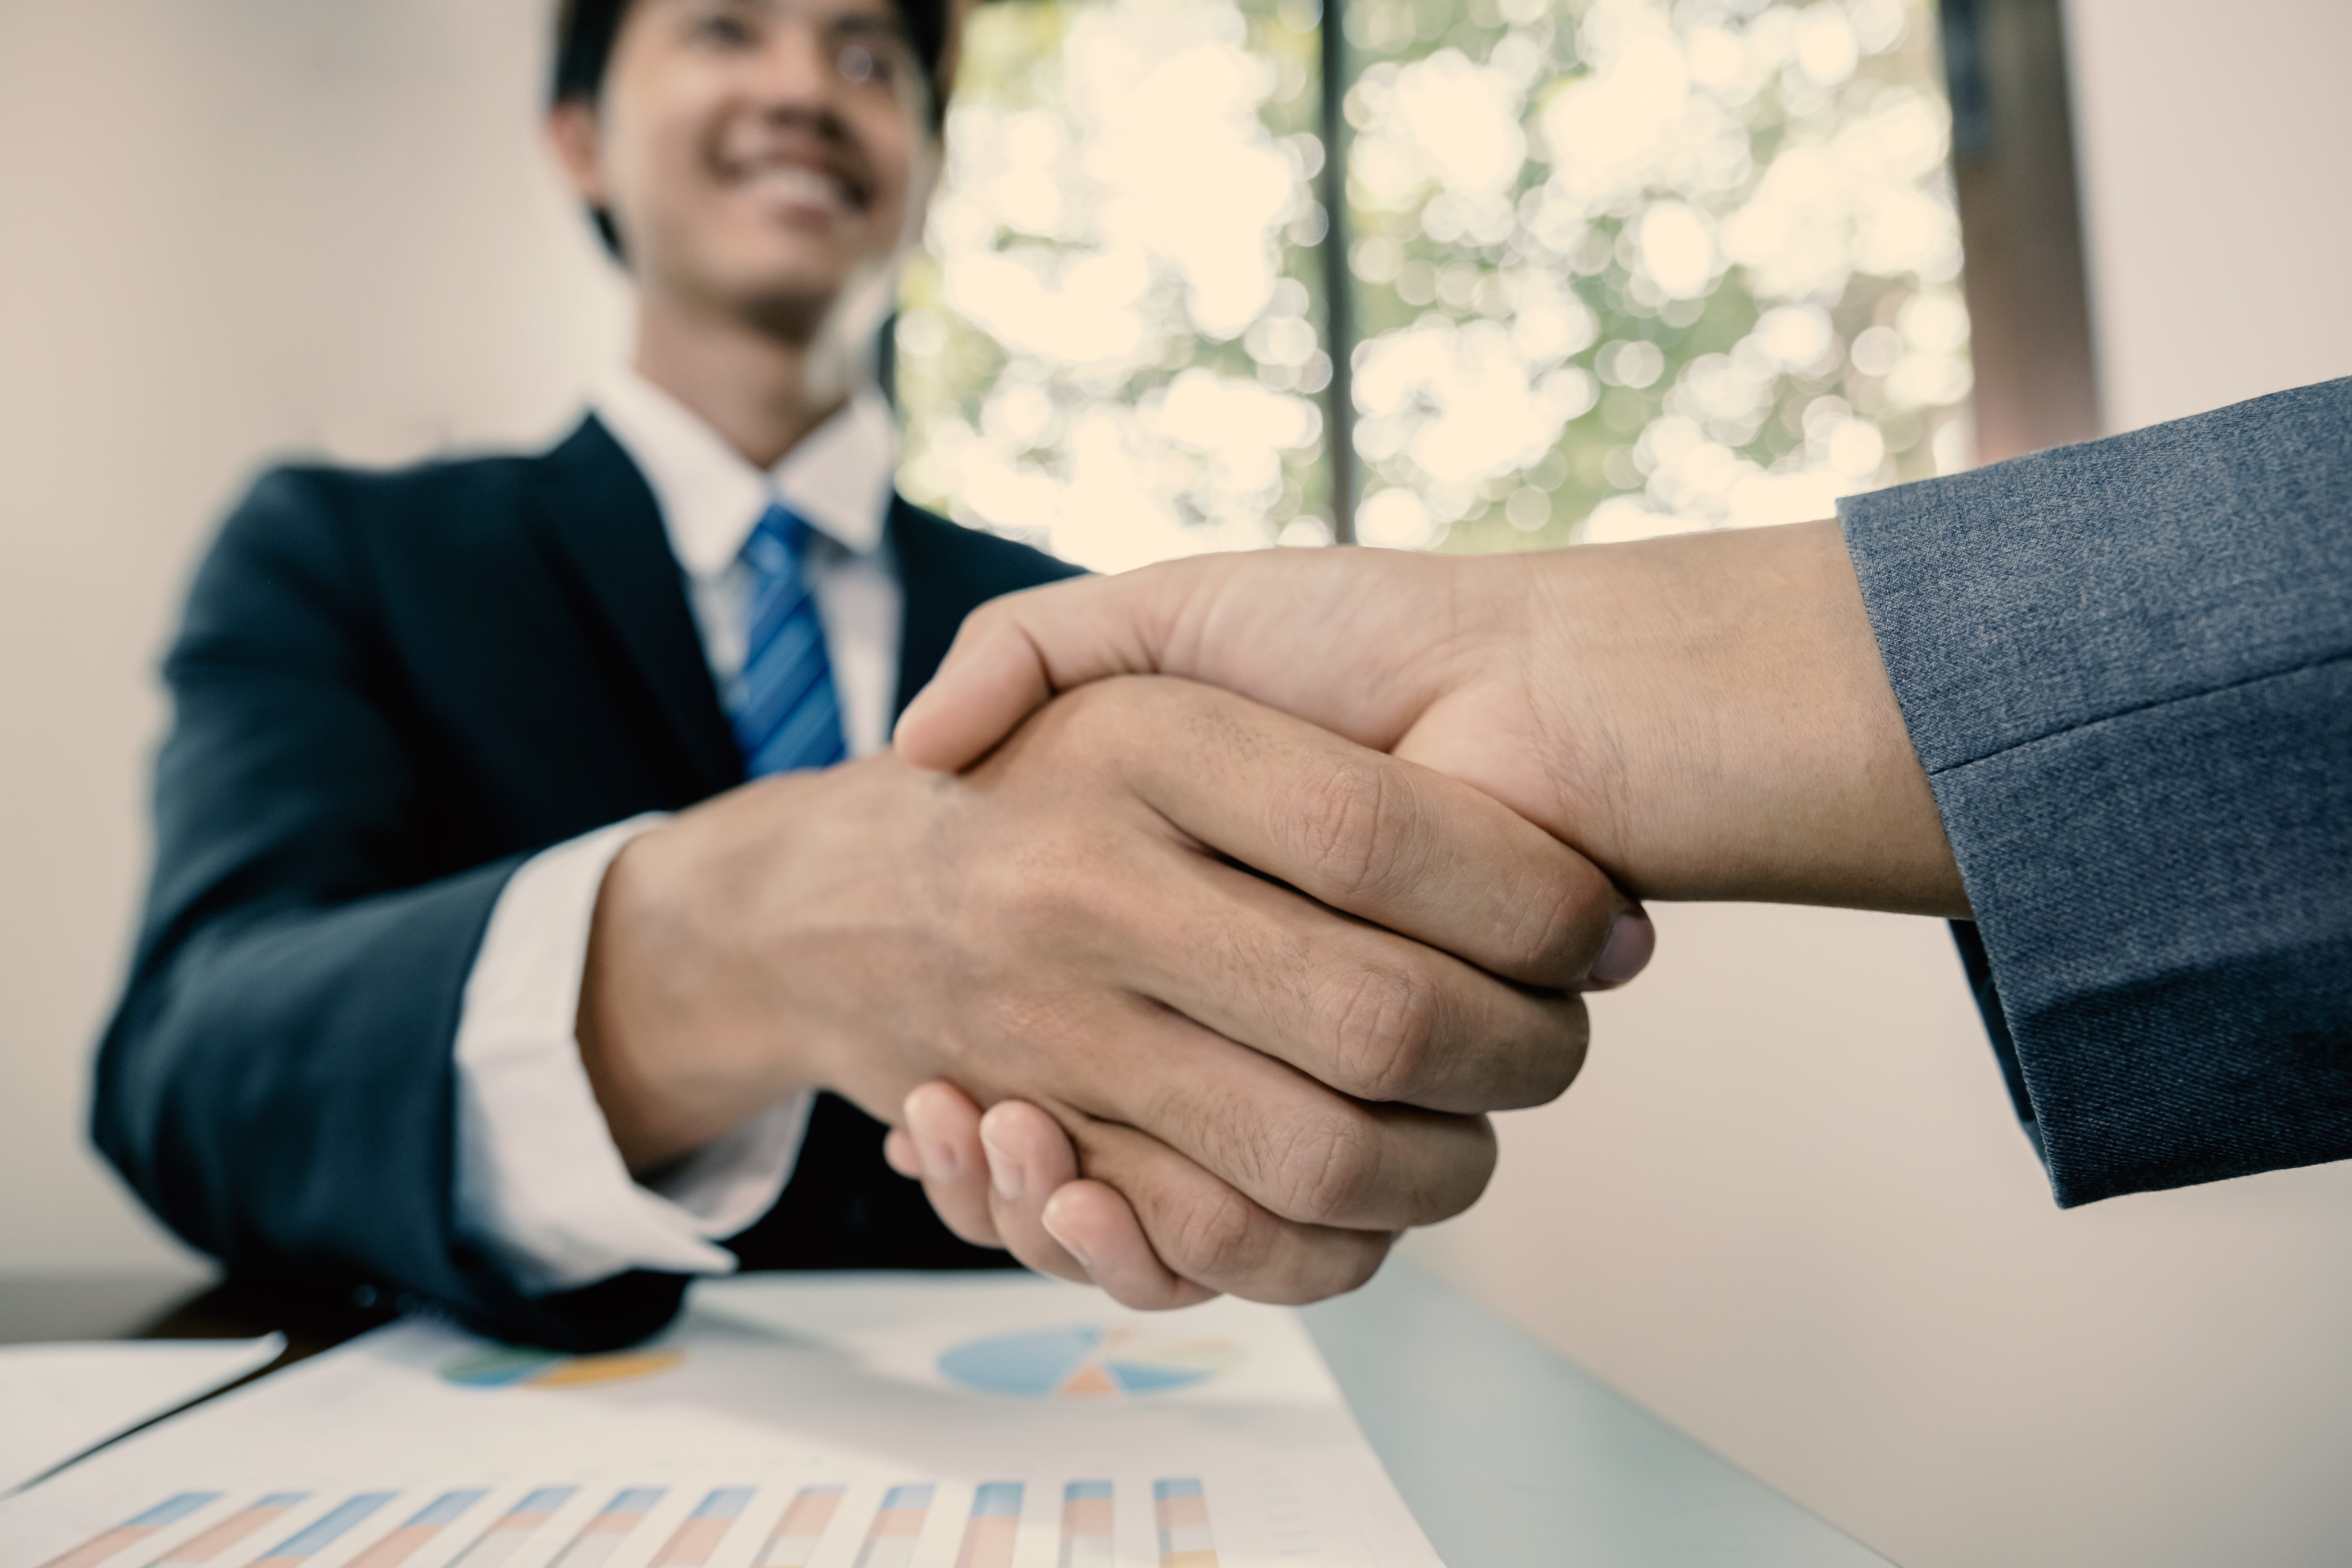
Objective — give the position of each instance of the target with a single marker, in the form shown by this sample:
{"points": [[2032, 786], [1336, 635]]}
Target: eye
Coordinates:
{"points": [[862, 65]]}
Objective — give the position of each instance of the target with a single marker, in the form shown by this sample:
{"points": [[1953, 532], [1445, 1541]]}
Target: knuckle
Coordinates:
{"points": [[1218, 1237], [1331, 1168], [1350, 829], [1385, 1031]]}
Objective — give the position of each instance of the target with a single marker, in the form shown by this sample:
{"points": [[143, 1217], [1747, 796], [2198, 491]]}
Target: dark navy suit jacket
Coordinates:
{"points": [[391, 689]]}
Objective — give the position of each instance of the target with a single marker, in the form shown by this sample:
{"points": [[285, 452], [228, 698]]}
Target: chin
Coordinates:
{"points": [[794, 309]]}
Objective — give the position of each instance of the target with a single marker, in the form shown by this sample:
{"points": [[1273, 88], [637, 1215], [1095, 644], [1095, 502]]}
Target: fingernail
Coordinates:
{"points": [[1631, 941], [1072, 1247], [1004, 1172]]}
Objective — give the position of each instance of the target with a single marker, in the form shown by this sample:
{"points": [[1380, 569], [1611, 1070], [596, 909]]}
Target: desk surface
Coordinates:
{"points": [[1509, 1453]]}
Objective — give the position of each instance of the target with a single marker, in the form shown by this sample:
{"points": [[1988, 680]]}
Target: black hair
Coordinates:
{"points": [[585, 31]]}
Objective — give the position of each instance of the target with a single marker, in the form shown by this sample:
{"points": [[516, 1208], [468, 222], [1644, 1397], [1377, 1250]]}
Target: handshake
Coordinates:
{"points": [[1203, 913]]}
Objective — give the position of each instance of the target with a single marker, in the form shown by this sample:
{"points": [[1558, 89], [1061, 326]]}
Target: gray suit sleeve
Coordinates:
{"points": [[2127, 667]]}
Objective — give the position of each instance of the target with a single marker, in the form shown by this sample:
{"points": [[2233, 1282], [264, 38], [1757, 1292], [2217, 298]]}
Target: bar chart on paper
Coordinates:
{"points": [[805, 1423], [785, 1527]]}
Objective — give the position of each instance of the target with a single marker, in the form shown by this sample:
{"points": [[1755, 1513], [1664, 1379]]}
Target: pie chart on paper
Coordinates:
{"points": [[520, 1366], [1086, 1362]]}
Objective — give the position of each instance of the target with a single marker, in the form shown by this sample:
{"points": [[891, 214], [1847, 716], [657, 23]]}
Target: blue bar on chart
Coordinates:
{"points": [[323, 1532], [514, 1527], [132, 1531], [245, 1521], [995, 1520], [408, 1538], [793, 1542], [1183, 1512], [1086, 1525], [601, 1536], [691, 1544], [891, 1541]]}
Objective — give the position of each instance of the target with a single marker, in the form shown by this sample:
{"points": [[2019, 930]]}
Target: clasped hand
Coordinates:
{"points": [[1256, 981]]}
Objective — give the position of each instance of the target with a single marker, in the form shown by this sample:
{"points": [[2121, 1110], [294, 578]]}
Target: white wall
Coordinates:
{"points": [[228, 232], [2214, 141], [1787, 1206]]}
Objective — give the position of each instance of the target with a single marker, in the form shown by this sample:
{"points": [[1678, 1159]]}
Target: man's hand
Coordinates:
{"points": [[1263, 978], [1705, 716]]}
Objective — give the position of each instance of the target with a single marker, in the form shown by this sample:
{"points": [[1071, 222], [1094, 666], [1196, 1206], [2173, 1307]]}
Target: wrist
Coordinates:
{"points": [[1720, 714], [679, 1045]]}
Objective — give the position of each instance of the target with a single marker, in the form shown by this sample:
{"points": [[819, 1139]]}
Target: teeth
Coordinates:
{"points": [[799, 183]]}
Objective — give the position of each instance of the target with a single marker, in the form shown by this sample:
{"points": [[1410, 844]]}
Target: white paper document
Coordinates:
{"points": [[60, 1399], [871, 1421]]}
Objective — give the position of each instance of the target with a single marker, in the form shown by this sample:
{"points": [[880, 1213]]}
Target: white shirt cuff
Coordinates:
{"points": [[539, 1183]]}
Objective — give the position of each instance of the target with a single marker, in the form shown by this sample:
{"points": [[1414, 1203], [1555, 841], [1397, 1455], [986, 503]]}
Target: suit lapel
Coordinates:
{"points": [[599, 521], [933, 605], [948, 571]]}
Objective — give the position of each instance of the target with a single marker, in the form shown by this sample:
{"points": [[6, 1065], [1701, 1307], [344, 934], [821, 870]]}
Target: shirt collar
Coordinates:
{"points": [[839, 477]]}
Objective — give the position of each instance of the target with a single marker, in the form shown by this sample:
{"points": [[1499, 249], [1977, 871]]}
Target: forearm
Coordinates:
{"points": [[278, 1085], [279, 1089]]}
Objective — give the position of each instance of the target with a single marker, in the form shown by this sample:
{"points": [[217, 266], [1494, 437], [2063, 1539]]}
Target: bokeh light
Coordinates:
{"points": [[1110, 346], [1619, 268]]}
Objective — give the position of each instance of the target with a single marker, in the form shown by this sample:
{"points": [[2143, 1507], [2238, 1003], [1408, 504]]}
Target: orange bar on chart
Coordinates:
{"points": [[995, 1522], [229, 1531], [1086, 1525], [410, 1538], [1182, 1515], [132, 1531], [603, 1535], [891, 1541], [699, 1536], [793, 1542]]}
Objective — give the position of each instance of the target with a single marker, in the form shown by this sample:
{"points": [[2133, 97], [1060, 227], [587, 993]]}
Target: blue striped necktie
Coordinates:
{"points": [[781, 704]]}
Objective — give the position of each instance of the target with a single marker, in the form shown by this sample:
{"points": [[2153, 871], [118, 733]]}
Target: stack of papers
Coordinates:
{"points": [[59, 1401], [825, 1422]]}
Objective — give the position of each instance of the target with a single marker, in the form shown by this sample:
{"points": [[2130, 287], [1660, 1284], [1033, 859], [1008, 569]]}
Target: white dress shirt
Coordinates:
{"points": [[539, 1183]]}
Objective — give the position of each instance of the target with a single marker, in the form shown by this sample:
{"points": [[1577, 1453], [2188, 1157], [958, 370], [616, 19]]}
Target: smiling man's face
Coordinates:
{"points": [[758, 157]]}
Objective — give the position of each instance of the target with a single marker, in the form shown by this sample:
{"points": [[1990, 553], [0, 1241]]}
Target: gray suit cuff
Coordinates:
{"points": [[2127, 667]]}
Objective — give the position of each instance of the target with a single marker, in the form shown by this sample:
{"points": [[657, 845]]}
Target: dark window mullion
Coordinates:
{"points": [[1340, 440]]}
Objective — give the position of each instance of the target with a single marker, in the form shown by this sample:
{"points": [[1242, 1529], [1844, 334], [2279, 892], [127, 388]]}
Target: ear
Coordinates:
{"points": [[576, 134]]}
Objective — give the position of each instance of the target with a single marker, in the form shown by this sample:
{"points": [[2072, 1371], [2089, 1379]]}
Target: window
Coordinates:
{"points": [[1604, 269]]}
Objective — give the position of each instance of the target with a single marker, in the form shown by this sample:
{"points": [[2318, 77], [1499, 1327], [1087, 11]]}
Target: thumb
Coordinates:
{"points": [[1013, 654]]}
